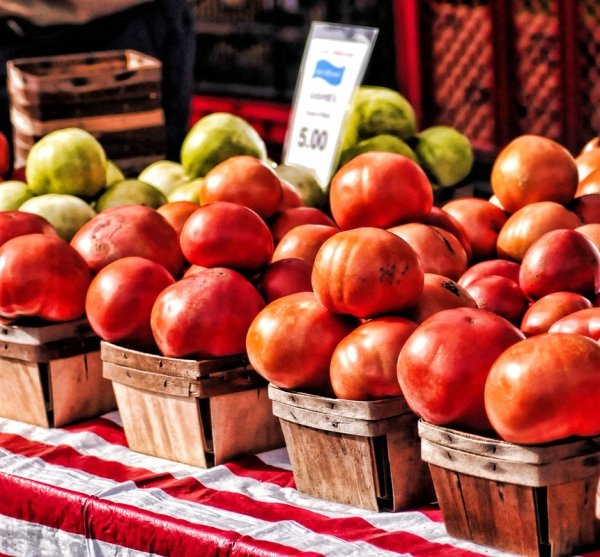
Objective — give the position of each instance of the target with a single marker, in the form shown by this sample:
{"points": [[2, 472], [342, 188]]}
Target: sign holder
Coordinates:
{"points": [[333, 66]]}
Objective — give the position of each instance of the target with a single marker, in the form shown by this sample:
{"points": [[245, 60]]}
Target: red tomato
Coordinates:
{"points": [[205, 315], [224, 234], [440, 251], [303, 242], [561, 260], [291, 341], [500, 295], [502, 267], [590, 145], [443, 366], [481, 221], [363, 365], [120, 298], [379, 190], [587, 208], [367, 272], [442, 219], [42, 276], [125, 231], [439, 293], [585, 322], [545, 388], [541, 315], [177, 212], [285, 220], [285, 276], [589, 184], [244, 180], [587, 163], [533, 168], [591, 232], [193, 269], [4, 155], [17, 223], [529, 223], [290, 197]]}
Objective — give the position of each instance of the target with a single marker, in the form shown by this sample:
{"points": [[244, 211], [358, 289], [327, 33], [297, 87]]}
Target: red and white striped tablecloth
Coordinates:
{"points": [[80, 491]]}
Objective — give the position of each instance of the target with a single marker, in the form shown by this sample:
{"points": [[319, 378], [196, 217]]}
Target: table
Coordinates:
{"points": [[80, 491]]}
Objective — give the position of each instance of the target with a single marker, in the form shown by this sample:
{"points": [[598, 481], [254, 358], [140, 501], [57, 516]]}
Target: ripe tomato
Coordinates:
{"points": [[501, 267], [585, 322], [545, 388], [439, 293], [587, 163], [443, 366], [120, 298], [443, 219], [4, 155], [591, 232], [244, 180], [290, 342], [17, 223], [543, 313], [501, 296], [589, 184], [129, 230], [561, 260], [587, 208], [379, 190], [366, 272], [42, 276], [283, 221], [440, 251], [533, 168], [205, 315], [290, 197], [590, 145], [363, 365], [224, 234], [303, 241], [529, 223], [285, 276], [177, 212], [481, 221]]}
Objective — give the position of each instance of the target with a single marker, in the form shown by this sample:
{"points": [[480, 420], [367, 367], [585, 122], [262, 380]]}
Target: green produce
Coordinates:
{"points": [[217, 137], [305, 182], [187, 191], [113, 173], [67, 213], [131, 192], [12, 194], [164, 175], [383, 142], [66, 161]]}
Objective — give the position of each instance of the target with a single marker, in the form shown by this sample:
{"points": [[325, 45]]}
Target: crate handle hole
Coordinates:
{"points": [[80, 81], [124, 76]]}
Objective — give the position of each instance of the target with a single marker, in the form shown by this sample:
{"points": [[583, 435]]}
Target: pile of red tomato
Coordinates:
{"points": [[482, 313]]}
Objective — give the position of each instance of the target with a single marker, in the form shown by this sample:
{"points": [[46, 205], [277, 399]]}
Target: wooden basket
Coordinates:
{"points": [[364, 454], [51, 374], [537, 500], [199, 412], [115, 95]]}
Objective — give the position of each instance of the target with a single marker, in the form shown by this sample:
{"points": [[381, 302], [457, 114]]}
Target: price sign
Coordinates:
{"points": [[333, 65]]}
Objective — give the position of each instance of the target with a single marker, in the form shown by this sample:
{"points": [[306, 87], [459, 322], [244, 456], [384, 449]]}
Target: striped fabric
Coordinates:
{"points": [[79, 491]]}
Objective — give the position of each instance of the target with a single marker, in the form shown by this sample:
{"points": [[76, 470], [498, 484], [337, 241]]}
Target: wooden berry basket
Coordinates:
{"points": [[362, 453], [115, 95], [534, 500], [198, 412], [51, 374]]}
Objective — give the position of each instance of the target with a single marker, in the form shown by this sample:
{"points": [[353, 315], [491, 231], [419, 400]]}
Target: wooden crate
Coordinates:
{"points": [[537, 500], [199, 412], [51, 374], [364, 454], [115, 95]]}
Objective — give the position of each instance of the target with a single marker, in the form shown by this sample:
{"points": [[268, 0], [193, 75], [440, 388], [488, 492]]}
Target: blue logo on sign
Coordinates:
{"points": [[330, 73]]}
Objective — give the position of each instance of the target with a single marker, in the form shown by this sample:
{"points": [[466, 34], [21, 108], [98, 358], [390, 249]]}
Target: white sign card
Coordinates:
{"points": [[333, 66]]}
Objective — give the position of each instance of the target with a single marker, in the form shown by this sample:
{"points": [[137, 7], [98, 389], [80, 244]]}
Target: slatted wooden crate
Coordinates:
{"points": [[362, 453], [199, 412], [537, 500], [115, 95], [51, 374]]}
